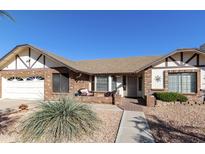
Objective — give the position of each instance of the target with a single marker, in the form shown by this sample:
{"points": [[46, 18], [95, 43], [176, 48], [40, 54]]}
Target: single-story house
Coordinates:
{"points": [[27, 72]]}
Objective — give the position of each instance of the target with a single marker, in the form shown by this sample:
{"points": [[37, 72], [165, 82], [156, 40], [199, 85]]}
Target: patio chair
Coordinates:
{"points": [[84, 92]]}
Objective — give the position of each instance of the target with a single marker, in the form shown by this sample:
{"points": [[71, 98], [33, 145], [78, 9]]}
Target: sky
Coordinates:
{"points": [[81, 35]]}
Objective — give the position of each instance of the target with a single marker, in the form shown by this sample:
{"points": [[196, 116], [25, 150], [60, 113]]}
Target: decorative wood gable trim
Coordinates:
{"points": [[29, 54], [174, 60], [181, 58], [18, 57], [182, 63], [36, 60], [44, 61], [197, 60], [29, 65], [194, 55]]}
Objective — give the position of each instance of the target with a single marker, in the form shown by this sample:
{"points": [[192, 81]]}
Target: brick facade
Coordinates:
{"points": [[76, 80], [101, 99], [193, 96], [148, 82]]}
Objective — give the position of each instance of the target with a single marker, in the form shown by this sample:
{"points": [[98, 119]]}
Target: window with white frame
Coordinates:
{"points": [[182, 82], [102, 83]]}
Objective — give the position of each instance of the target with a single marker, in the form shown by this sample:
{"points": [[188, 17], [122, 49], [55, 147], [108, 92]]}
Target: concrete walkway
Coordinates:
{"points": [[134, 129]]}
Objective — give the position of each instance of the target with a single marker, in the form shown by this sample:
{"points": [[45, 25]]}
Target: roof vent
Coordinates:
{"points": [[202, 47]]}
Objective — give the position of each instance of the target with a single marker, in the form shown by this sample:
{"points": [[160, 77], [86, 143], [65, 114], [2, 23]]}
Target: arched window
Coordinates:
{"points": [[39, 78], [11, 78], [30, 78], [19, 79]]}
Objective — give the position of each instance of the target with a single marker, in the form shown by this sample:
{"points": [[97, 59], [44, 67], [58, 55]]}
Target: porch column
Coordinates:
{"points": [[90, 82], [120, 85], [109, 83], [95, 81]]}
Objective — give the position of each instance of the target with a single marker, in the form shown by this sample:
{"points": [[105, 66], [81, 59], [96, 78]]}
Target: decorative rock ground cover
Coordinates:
{"points": [[107, 132], [177, 123]]}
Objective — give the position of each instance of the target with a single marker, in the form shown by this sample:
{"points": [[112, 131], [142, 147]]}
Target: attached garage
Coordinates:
{"points": [[30, 88]]}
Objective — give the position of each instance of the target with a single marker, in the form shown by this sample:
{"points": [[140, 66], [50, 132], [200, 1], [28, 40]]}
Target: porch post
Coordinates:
{"points": [[95, 80], [90, 82], [109, 83]]}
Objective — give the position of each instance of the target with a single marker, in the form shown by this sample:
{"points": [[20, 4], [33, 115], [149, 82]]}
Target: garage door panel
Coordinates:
{"points": [[23, 89], [25, 86]]}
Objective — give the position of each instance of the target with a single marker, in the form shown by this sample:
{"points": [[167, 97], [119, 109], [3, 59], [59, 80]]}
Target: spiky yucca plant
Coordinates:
{"points": [[59, 121]]}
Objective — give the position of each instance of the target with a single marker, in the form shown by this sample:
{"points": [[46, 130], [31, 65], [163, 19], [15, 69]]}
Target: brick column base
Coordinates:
{"points": [[150, 101]]}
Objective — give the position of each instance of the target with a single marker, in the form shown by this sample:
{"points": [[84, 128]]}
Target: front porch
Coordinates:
{"points": [[126, 85]]}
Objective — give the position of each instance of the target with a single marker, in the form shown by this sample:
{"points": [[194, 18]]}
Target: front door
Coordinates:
{"points": [[132, 86]]}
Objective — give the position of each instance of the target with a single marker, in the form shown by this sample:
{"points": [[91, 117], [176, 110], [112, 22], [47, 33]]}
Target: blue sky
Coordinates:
{"points": [[82, 35]]}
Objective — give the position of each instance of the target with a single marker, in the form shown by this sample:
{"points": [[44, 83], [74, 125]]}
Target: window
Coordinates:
{"points": [[92, 83], [60, 83], [101, 83], [15, 79], [140, 83], [11, 78], [30, 78], [124, 82], [114, 83], [182, 82], [19, 79], [39, 78]]}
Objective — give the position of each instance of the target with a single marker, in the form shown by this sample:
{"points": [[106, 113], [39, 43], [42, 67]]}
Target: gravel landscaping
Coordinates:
{"points": [[110, 119], [177, 123], [107, 132]]}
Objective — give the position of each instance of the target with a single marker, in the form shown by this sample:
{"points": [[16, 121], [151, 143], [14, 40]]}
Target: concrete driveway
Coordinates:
{"points": [[6, 104]]}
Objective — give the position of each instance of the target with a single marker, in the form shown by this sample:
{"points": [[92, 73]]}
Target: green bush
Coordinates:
{"points": [[59, 121], [170, 96], [182, 98]]}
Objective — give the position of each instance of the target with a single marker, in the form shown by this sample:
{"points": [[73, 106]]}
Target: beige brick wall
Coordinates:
{"points": [[74, 82], [148, 82]]}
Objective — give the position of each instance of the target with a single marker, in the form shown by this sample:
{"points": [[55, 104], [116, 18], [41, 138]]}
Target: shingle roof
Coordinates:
{"points": [[116, 65]]}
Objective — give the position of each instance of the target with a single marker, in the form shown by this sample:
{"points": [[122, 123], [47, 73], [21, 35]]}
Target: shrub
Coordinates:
{"points": [[170, 96], [59, 121], [182, 98]]}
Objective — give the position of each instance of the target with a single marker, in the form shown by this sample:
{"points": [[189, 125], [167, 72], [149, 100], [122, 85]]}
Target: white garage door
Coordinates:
{"points": [[31, 88]]}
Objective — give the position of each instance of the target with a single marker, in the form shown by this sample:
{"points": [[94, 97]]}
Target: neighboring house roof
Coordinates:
{"points": [[104, 66]]}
